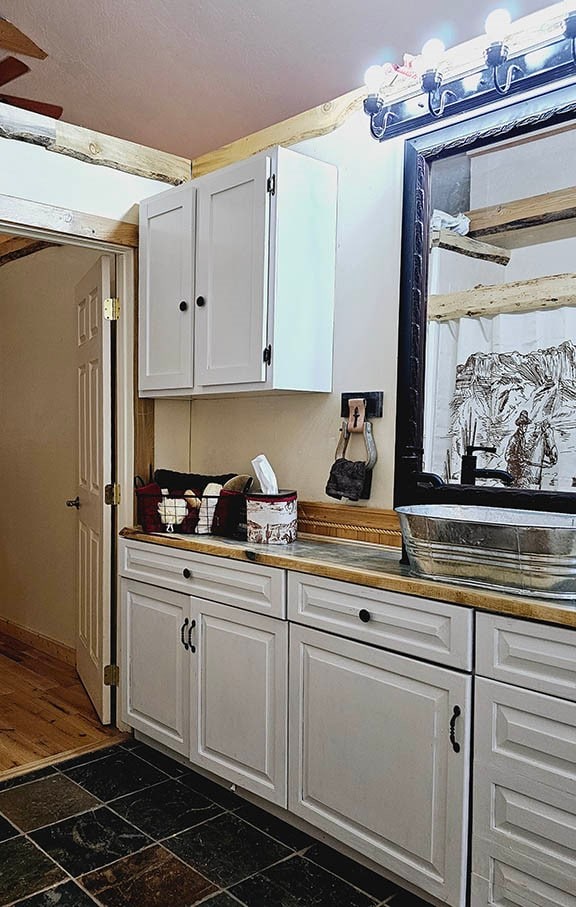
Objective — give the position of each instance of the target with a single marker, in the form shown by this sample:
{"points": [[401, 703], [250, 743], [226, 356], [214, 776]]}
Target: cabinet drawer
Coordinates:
{"points": [[524, 786], [249, 586], [427, 629], [530, 655]]}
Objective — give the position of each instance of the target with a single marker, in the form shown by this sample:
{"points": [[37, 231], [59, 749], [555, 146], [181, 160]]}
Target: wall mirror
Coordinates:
{"points": [[487, 353]]}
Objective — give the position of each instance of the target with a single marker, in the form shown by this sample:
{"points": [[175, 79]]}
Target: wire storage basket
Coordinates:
{"points": [[169, 511]]}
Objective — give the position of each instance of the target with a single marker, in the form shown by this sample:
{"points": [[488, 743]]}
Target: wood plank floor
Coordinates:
{"points": [[45, 712]]}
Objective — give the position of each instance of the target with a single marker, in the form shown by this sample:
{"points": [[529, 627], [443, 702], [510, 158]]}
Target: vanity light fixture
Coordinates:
{"points": [[451, 86]]}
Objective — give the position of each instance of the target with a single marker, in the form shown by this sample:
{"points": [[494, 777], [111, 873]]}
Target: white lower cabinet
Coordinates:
{"points": [[239, 698], [379, 757], [155, 664], [210, 682], [524, 833]]}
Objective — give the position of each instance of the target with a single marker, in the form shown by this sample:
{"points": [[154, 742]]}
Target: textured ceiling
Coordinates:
{"points": [[190, 75]]}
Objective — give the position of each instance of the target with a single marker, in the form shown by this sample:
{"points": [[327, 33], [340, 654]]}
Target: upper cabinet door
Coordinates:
{"points": [[167, 226], [232, 274]]}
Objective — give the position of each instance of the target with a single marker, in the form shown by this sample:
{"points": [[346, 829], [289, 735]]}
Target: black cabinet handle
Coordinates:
{"points": [[190, 646], [183, 306], [455, 714], [200, 301], [186, 573], [364, 615], [182, 632]]}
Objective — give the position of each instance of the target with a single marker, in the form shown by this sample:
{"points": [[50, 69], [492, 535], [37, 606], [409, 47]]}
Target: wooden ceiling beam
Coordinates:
{"points": [[19, 247], [65, 221]]}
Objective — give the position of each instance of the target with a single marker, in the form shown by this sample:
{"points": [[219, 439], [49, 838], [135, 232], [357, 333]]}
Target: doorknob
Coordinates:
{"points": [[75, 503]]}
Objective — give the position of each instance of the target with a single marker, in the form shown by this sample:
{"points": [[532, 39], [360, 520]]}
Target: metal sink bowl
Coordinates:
{"points": [[524, 551]]}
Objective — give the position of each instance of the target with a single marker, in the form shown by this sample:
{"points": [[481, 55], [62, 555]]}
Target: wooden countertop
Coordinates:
{"points": [[368, 565]]}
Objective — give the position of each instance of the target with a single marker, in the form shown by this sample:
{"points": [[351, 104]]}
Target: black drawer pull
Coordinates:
{"points": [[364, 615], [186, 573], [200, 301], [183, 306], [182, 632], [192, 626], [455, 715]]}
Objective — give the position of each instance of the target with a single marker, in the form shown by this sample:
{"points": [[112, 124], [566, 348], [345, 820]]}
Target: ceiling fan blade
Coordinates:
{"points": [[11, 38], [47, 110], [11, 68]]}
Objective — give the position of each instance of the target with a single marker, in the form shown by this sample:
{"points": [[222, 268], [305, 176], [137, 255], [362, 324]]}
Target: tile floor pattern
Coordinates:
{"points": [[128, 826]]}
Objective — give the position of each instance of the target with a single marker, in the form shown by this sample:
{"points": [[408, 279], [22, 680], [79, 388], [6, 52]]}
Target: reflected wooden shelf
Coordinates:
{"points": [[527, 221], [500, 299], [470, 248]]}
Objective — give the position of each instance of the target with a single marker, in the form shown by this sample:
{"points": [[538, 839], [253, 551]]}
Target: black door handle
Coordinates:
{"points": [[75, 503], [182, 632], [192, 626], [455, 714]]}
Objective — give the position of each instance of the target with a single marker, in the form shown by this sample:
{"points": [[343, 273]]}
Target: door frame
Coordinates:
{"points": [[126, 270]]}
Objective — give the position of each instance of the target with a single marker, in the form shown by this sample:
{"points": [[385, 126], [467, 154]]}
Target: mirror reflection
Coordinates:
{"points": [[500, 389]]}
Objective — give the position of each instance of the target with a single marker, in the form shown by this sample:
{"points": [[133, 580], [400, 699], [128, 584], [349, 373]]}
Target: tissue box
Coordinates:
{"points": [[272, 518]]}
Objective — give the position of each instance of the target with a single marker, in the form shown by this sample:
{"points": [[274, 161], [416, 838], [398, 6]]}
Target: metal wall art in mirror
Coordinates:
{"points": [[487, 368]]}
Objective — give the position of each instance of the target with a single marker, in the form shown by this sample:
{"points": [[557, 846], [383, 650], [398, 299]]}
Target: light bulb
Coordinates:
{"points": [[373, 78], [432, 53], [498, 25]]}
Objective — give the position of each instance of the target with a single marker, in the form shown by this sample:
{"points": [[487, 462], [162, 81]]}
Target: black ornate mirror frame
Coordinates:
{"points": [[526, 116]]}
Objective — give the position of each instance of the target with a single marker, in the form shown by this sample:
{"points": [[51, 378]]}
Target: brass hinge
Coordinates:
{"points": [[111, 676], [112, 495], [271, 184], [112, 308]]}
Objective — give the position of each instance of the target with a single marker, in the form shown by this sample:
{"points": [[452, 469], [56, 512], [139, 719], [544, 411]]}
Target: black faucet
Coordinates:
{"points": [[470, 472], [412, 462]]}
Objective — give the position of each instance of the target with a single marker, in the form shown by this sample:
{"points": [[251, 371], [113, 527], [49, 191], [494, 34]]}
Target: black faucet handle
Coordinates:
{"points": [[471, 450]]}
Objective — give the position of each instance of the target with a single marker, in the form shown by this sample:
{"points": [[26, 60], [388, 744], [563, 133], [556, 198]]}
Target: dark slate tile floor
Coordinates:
{"points": [[129, 827]]}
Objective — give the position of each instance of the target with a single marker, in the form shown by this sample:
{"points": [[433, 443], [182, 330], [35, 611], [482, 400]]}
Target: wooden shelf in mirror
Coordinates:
{"points": [[520, 296], [470, 248], [522, 215]]}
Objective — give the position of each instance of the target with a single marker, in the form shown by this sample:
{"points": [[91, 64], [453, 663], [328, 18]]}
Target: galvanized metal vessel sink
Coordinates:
{"points": [[498, 548]]}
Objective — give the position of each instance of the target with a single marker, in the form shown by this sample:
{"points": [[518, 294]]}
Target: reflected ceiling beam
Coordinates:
{"points": [[505, 298], [14, 247], [536, 211], [471, 248]]}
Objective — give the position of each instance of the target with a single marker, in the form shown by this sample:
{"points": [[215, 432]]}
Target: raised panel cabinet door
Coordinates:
{"points": [[232, 274], [166, 309], [156, 663], [239, 698], [379, 757]]}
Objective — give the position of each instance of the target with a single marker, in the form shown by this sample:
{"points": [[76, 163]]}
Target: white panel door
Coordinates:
{"points": [[93, 556], [232, 274], [156, 663], [239, 699], [166, 310], [371, 757]]}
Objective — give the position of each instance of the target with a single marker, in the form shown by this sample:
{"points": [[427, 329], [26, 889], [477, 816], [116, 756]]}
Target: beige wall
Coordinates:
{"points": [[38, 439], [299, 433]]}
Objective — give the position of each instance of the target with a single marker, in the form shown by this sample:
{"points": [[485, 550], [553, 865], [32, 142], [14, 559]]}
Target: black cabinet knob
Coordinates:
{"points": [[200, 301], [186, 573], [364, 615], [183, 305]]}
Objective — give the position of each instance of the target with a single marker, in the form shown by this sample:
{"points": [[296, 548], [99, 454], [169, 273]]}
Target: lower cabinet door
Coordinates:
{"points": [[239, 700], [156, 663], [379, 757]]}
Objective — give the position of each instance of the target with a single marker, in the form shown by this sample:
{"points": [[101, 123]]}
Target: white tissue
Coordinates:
{"points": [[456, 224], [265, 475]]}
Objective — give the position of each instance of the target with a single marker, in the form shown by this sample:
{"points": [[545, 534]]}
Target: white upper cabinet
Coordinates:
{"points": [[232, 274], [263, 286], [166, 314]]}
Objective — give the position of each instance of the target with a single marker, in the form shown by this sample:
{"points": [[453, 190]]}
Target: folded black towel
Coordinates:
{"points": [[347, 479]]}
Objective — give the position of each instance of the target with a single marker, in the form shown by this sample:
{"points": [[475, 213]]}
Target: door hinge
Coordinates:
{"points": [[111, 676], [267, 354], [271, 184], [112, 308], [112, 495]]}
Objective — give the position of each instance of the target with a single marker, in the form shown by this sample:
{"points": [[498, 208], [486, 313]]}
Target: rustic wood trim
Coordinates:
{"points": [[112, 738], [38, 641], [11, 38], [23, 213], [520, 296], [20, 248], [312, 123], [471, 248], [345, 521], [535, 211], [92, 147]]}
